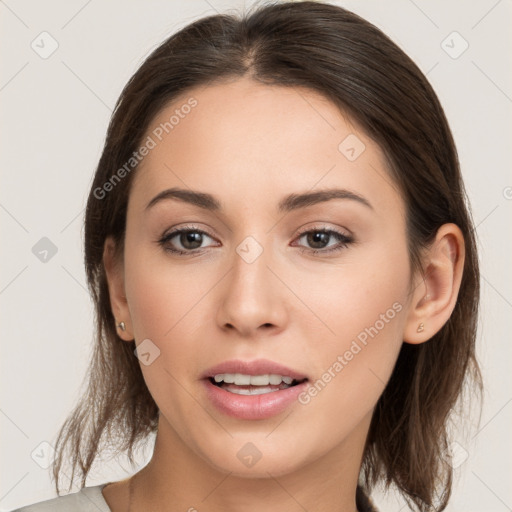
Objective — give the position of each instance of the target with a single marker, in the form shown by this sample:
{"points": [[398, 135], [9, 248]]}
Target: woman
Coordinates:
{"points": [[284, 271]]}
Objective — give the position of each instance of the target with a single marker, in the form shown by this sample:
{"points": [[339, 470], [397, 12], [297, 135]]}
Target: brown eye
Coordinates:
{"points": [[318, 240], [187, 240]]}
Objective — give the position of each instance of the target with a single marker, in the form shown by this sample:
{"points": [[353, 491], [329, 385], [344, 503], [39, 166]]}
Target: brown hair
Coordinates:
{"points": [[352, 63]]}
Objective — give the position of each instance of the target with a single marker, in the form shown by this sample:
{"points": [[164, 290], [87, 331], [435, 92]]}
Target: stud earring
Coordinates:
{"points": [[122, 326], [420, 327]]}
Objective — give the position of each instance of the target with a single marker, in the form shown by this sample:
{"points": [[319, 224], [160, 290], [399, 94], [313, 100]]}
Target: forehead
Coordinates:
{"points": [[245, 140]]}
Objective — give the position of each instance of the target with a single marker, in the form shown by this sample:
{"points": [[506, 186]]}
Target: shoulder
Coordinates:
{"points": [[88, 499]]}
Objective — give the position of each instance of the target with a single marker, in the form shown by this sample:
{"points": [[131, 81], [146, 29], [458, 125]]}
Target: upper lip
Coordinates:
{"points": [[255, 367]]}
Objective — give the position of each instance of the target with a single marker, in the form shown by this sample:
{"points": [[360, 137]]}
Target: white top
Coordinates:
{"points": [[88, 499]]}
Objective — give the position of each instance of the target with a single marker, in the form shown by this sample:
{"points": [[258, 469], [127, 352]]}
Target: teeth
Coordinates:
{"points": [[254, 380], [254, 391], [264, 380]]}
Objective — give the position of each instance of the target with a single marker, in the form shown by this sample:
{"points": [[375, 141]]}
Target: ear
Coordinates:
{"points": [[435, 293], [114, 271]]}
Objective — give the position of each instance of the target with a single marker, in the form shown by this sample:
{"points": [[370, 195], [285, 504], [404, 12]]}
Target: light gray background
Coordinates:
{"points": [[54, 115]]}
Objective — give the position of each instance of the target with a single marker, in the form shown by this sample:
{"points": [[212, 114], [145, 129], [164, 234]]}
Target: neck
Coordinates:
{"points": [[177, 476]]}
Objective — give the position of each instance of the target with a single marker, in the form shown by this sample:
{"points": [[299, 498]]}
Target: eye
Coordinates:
{"points": [[190, 239], [319, 238]]}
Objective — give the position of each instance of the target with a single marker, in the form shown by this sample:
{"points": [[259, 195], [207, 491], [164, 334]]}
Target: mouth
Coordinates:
{"points": [[243, 384], [252, 390]]}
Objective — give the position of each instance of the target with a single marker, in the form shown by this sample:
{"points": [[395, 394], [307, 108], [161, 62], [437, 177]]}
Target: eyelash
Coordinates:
{"points": [[344, 240]]}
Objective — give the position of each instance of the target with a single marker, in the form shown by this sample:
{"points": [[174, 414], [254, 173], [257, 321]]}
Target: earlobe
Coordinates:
{"points": [[435, 296], [114, 273]]}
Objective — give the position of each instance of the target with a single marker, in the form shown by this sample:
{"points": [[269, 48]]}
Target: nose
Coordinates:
{"points": [[253, 298]]}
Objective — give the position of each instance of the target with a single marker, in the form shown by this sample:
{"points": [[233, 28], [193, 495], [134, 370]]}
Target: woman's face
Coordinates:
{"points": [[249, 286]]}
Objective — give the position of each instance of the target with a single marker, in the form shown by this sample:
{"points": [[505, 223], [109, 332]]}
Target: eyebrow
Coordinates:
{"points": [[287, 204]]}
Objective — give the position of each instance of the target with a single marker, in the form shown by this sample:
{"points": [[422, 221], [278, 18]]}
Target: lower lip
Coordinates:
{"points": [[252, 407]]}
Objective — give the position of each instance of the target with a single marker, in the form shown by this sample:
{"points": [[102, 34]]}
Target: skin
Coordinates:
{"points": [[250, 145]]}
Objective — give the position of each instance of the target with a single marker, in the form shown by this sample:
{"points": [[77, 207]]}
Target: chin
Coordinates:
{"points": [[275, 467], [256, 456]]}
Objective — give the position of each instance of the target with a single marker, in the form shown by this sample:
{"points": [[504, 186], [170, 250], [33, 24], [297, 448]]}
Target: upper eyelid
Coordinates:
{"points": [[325, 227], [336, 231], [301, 231], [178, 230]]}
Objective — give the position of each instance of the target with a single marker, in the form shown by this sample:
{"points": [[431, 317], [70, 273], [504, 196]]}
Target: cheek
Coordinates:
{"points": [[362, 298], [163, 305], [167, 303], [160, 293], [364, 306]]}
